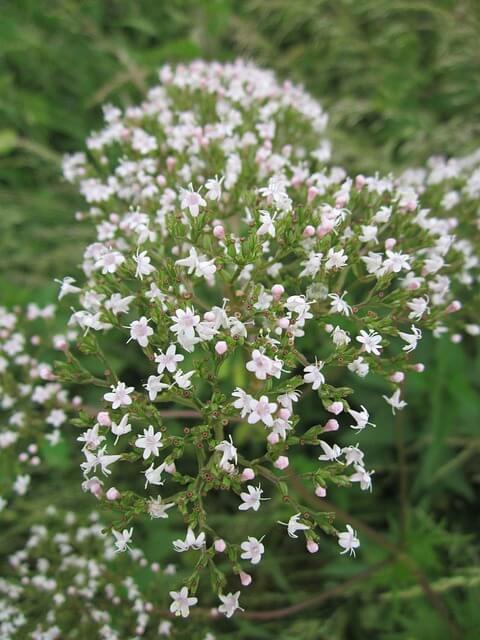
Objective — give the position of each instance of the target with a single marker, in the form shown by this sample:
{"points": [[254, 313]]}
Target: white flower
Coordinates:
{"points": [[229, 452], [313, 375], [229, 604], [190, 542], [150, 442], [361, 418], [122, 539], [330, 453], [121, 428], [418, 306], [168, 360], [348, 541], [395, 262], [119, 396], [338, 304], [359, 366], [214, 188], [262, 410], [116, 304], [251, 500], [369, 233], [183, 379], [198, 265], [244, 401], [395, 402], [153, 475], [144, 268], [267, 226], [335, 259], [294, 525], [353, 455], [260, 365], [411, 338], [312, 265], [182, 602], [158, 509], [362, 476], [191, 200], [252, 550], [371, 342], [140, 331], [154, 386], [67, 287]]}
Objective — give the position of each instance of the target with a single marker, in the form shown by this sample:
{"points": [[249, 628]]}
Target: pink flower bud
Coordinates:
{"points": [[419, 367], [32, 448], [170, 467], [413, 285], [331, 425], [155, 567], [209, 316], [281, 462], [390, 243], [78, 216], [114, 217], [103, 418], [329, 328], [112, 494], [23, 457], [341, 201], [284, 413], [360, 182], [312, 546], [273, 438], [35, 340], [456, 338], [170, 163], [35, 461], [277, 291], [312, 193], [221, 347], [95, 488], [324, 229], [284, 323], [454, 306], [320, 491], [336, 407], [309, 231], [397, 377], [77, 401], [219, 232], [219, 545], [247, 474], [245, 578]]}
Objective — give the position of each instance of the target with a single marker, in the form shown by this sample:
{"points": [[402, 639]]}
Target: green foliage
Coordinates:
{"points": [[401, 81]]}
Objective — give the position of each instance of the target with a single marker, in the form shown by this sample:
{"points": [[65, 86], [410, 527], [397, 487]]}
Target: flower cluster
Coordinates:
{"points": [[242, 275], [72, 574], [34, 406]]}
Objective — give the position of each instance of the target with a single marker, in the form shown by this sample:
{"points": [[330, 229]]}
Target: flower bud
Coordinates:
{"points": [[245, 578], [397, 377], [273, 438], [219, 545], [320, 491], [360, 182], [209, 316], [170, 467], [284, 323], [219, 232], [390, 243], [277, 291], [281, 462], [331, 425], [284, 413], [419, 367], [336, 407], [312, 546], [112, 494], [309, 231], [247, 474], [221, 347], [103, 418], [454, 306]]}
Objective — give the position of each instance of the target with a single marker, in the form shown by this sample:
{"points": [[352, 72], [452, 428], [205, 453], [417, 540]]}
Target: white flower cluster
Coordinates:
{"points": [[225, 244], [34, 406], [69, 574]]}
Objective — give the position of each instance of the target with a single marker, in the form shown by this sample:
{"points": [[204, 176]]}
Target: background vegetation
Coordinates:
{"points": [[401, 80]]}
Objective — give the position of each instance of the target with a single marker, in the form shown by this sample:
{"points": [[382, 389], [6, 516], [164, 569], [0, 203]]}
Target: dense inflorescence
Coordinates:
{"points": [[450, 189], [34, 407], [244, 275], [70, 574]]}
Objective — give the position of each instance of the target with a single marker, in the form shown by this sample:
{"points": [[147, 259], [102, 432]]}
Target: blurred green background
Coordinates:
{"points": [[401, 81]]}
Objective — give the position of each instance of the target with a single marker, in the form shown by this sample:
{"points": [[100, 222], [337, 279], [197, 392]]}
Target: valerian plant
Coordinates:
{"points": [[34, 406], [224, 245]]}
